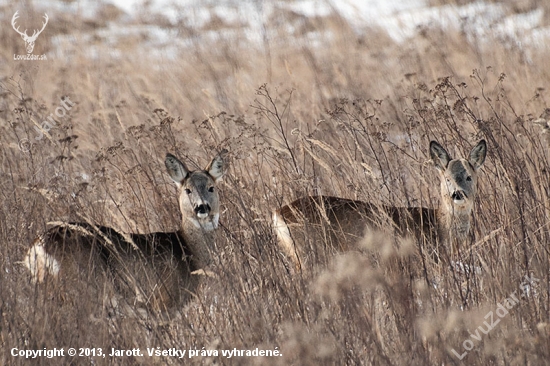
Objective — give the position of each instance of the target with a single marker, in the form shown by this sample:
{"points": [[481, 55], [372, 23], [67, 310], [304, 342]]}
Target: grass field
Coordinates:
{"points": [[314, 108]]}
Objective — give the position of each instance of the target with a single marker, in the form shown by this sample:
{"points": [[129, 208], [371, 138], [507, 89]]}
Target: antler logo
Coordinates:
{"points": [[29, 41]]}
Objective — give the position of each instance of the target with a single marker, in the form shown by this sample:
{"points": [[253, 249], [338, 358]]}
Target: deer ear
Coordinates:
{"points": [[176, 169], [478, 154], [439, 155], [218, 166]]}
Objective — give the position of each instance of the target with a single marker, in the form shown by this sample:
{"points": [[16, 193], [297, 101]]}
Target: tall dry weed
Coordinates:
{"points": [[352, 118]]}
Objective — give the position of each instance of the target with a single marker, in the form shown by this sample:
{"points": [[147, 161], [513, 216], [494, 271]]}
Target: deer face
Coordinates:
{"points": [[29, 43], [459, 182], [198, 196], [458, 176]]}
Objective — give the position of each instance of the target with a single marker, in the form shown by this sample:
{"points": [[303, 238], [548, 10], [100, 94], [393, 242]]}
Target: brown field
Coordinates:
{"points": [[313, 109]]}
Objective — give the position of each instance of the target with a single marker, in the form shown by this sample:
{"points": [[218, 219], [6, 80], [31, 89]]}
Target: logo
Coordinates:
{"points": [[29, 40]]}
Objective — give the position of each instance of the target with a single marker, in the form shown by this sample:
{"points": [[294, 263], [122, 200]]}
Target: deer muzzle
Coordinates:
{"points": [[203, 210]]}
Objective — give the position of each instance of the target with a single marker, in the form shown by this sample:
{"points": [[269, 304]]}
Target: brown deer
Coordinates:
{"points": [[155, 270], [312, 228]]}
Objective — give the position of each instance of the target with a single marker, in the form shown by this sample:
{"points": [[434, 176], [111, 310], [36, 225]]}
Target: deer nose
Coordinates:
{"points": [[458, 196], [202, 210]]}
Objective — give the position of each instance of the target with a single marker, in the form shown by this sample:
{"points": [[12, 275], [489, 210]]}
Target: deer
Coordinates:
{"points": [[155, 271], [311, 228], [29, 41]]}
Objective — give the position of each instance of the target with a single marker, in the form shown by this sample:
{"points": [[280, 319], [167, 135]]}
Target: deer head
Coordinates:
{"points": [[29, 41]]}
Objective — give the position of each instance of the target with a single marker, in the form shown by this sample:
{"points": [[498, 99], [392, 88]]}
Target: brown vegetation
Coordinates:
{"points": [[343, 115]]}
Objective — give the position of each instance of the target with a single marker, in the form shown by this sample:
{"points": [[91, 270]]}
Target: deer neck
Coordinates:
{"points": [[454, 224], [200, 236]]}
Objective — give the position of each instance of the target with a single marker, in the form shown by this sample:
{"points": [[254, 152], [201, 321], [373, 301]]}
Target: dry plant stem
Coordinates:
{"points": [[362, 112]]}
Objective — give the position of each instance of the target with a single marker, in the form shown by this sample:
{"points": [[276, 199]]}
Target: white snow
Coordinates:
{"points": [[400, 19], [251, 20]]}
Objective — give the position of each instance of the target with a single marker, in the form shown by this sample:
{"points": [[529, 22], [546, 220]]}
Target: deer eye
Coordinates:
{"points": [[211, 189], [187, 190], [469, 179]]}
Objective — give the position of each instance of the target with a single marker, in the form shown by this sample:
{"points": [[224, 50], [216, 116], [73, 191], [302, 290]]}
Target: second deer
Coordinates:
{"points": [[312, 228]]}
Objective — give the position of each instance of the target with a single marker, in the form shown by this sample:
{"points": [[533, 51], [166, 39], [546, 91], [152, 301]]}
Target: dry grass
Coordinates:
{"points": [[352, 118]]}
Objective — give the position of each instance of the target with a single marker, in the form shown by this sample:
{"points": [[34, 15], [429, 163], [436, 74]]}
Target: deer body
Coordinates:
{"points": [[156, 269], [313, 227]]}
